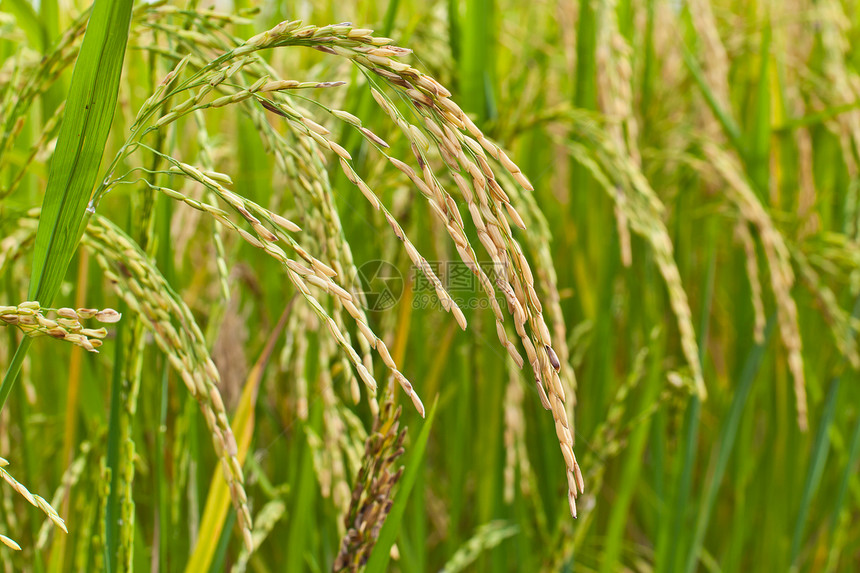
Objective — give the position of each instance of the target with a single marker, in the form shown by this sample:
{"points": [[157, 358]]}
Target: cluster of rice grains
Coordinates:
{"points": [[31, 318], [466, 152], [441, 131], [372, 495], [145, 291]]}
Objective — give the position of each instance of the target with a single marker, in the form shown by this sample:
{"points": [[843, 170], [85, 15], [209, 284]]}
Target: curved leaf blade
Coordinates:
{"points": [[80, 145], [74, 165]]}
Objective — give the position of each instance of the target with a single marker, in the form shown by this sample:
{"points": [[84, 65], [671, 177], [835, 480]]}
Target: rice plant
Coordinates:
{"points": [[346, 284]]}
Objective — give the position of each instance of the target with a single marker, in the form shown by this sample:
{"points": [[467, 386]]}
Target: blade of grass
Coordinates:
{"points": [[111, 526], [583, 204], [726, 120], [58, 548], [726, 444], [486, 537], [649, 76], [454, 29], [818, 459], [688, 460], [162, 512], [74, 165], [49, 16], [302, 517], [633, 465], [378, 562], [14, 369], [817, 117], [218, 564], [458, 422], [758, 152], [80, 145], [671, 536], [28, 453], [476, 70], [390, 15], [586, 63], [489, 432], [854, 454]]}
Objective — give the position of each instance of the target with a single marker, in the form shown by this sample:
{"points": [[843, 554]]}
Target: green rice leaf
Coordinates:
{"points": [[80, 145], [378, 562], [476, 71], [111, 525], [75, 163], [838, 509], [630, 477], [726, 443], [820, 450], [758, 155], [723, 116]]}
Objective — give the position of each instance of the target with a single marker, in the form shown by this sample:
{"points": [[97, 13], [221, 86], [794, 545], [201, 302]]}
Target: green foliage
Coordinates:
{"points": [[74, 164], [689, 262]]}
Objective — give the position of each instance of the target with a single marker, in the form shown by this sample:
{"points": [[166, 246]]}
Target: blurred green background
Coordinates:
{"points": [[692, 160]]}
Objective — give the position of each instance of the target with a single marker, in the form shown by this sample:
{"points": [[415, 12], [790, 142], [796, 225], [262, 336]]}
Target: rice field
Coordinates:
{"points": [[473, 285]]}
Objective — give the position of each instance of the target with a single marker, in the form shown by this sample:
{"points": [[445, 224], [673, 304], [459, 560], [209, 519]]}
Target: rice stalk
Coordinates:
{"points": [[337, 442], [615, 98], [444, 124], [610, 437], [35, 82], [778, 258], [144, 290], [716, 65], [294, 354], [618, 175], [98, 540], [842, 81], [371, 496], [34, 500], [129, 391]]}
